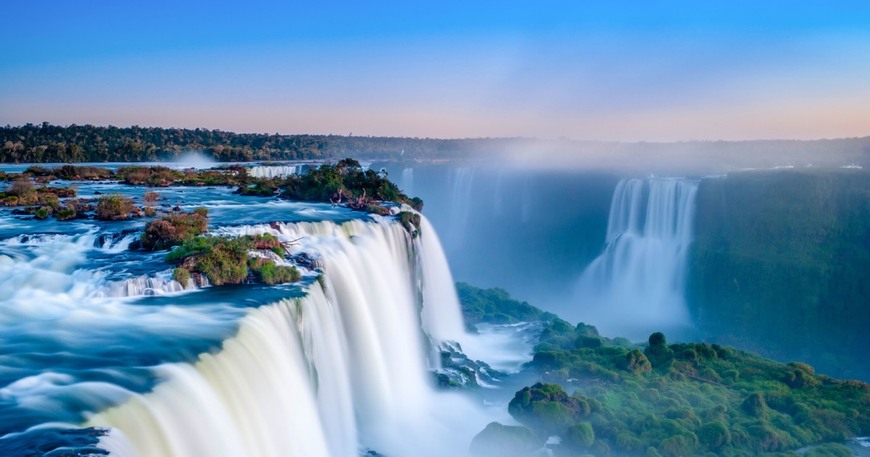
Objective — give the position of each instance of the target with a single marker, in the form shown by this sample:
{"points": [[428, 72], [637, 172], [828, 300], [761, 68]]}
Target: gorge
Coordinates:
{"points": [[106, 350]]}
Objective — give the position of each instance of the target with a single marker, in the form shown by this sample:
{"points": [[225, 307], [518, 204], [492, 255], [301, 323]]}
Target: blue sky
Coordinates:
{"points": [[654, 70]]}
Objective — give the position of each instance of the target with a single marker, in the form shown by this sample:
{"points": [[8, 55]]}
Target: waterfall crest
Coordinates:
{"points": [[637, 285], [274, 171], [336, 372]]}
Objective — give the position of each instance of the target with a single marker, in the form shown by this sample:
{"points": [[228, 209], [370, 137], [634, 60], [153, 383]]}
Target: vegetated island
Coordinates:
{"points": [[201, 258], [343, 183], [604, 396]]}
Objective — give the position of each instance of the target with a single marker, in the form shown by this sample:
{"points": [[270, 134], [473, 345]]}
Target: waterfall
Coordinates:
{"points": [[336, 372], [407, 182], [273, 171], [460, 204], [637, 285]]}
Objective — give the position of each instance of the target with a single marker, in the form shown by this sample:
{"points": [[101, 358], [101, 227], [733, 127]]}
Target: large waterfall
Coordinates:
{"points": [[341, 370], [636, 286]]}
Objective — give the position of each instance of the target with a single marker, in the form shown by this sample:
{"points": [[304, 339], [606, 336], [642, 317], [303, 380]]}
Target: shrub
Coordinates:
{"points": [[636, 362], [754, 405], [113, 207], [267, 241], [225, 263], [800, 375], [579, 436], [65, 214], [584, 341], [74, 173], [258, 188], [714, 435], [20, 187], [829, 450], [679, 445], [37, 170], [43, 213], [181, 275], [547, 408], [174, 229], [270, 273], [151, 197], [48, 199]]}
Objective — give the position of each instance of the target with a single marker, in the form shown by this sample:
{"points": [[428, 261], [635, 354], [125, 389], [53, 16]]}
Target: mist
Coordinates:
{"points": [[536, 218]]}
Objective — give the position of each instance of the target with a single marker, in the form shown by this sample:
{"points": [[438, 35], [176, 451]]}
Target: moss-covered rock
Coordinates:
{"points": [[547, 408], [497, 440]]}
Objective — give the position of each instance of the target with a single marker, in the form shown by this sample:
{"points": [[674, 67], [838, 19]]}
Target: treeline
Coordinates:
{"points": [[46, 143]]}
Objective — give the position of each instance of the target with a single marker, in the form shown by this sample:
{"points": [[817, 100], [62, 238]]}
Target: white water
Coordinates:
{"points": [[336, 372], [160, 284], [637, 285], [408, 181], [460, 204], [273, 171]]}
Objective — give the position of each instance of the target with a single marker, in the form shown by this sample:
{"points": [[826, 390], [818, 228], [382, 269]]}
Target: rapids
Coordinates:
{"points": [[102, 352]]}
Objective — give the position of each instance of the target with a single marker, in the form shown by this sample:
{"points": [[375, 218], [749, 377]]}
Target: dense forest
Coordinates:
{"points": [[780, 262], [46, 143]]}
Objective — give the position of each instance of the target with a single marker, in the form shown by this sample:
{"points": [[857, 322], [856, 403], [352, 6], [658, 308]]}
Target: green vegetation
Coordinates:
{"points": [[495, 306], [259, 188], [41, 202], [411, 222], [66, 214], [174, 229], [82, 173], [497, 440], [181, 275], [268, 272], [46, 143], [114, 207], [228, 260], [675, 399], [779, 265], [345, 182]]}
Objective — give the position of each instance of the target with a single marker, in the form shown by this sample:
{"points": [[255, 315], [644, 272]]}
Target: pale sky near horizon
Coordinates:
{"points": [[655, 70]]}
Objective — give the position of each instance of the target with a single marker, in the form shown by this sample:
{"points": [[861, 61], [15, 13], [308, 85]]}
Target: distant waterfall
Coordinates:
{"points": [[336, 372], [637, 285], [273, 171], [460, 204], [407, 183]]}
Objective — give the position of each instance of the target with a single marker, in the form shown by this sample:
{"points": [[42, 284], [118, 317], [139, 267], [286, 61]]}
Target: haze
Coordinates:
{"points": [[661, 71]]}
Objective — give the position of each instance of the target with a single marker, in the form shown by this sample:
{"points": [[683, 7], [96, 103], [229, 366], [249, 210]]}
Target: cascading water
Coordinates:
{"points": [[95, 335], [637, 285], [273, 171], [333, 373], [460, 204], [407, 183]]}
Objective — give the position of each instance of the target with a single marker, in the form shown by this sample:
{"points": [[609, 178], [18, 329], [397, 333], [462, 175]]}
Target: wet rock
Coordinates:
{"points": [[458, 371]]}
